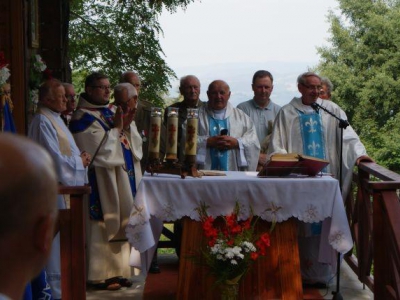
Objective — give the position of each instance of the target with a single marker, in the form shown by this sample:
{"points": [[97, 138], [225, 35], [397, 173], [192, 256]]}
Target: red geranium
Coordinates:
{"points": [[232, 245]]}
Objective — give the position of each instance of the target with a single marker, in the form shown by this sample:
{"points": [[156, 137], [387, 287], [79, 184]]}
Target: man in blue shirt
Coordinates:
{"points": [[261, 110]]}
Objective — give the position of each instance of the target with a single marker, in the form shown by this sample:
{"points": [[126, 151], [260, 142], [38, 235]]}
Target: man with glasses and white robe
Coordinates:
{"points": [[299, 128]]}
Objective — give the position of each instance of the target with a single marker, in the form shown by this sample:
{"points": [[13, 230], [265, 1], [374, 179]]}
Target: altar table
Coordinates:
{"points": [[165, 197]]}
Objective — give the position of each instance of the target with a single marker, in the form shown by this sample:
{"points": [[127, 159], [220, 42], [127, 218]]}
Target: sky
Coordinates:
{"points": [[213, 33]]}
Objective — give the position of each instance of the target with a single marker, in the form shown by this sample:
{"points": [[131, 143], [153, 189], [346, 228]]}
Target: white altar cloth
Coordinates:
{"points": [[165, 197]]}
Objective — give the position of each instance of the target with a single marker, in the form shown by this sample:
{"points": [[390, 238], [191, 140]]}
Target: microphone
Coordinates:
{"points": [[315, 106]]}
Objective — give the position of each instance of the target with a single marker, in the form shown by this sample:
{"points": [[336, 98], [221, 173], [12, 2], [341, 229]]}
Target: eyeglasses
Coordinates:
{"points": [[103, 87], [312, 87], [72, 97]]}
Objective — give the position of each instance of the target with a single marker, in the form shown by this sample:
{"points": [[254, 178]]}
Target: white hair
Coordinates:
{"points": [[126, 86]]}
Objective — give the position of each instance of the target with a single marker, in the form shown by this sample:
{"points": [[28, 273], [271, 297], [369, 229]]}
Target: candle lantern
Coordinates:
{"points": [[154, 134], [172, 133], [191, 136]]}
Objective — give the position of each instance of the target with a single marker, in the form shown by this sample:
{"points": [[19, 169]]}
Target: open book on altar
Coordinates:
{"points": [[292, 163]]}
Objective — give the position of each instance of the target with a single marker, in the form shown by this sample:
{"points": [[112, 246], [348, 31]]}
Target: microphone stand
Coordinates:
{"points": [[342, 125]]}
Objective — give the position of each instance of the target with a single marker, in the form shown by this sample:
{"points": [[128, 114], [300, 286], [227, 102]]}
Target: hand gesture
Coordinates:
{"points": [[118, 121], [222, 142], [86, 158], [128, 117]]}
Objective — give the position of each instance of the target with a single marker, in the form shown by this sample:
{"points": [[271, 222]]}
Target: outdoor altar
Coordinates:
{"points": [[166, 197]]}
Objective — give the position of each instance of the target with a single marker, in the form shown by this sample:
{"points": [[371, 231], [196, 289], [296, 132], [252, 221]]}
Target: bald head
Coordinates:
{"points": [[28, 211], [218, 94], [28, 183]]}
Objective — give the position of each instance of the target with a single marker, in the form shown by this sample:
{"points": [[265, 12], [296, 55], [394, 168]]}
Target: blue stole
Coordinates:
{"points": [[38, 288], [9, 125], [219, 158], [129, 164], [312, 135], [313, 145], [107, 122]]}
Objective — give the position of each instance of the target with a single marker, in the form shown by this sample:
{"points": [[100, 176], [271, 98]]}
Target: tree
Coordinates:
{"points": [[115, 36], [363, 62]]}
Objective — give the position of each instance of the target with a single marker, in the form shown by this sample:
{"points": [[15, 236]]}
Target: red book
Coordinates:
{"points": [[292, 163]]}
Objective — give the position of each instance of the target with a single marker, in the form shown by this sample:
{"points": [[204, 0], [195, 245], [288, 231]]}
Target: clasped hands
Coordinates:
{"points": [[222, 142], [86, 158]]}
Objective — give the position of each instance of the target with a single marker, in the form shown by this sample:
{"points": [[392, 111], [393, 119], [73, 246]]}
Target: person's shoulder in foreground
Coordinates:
{"points": [[26, 226]]}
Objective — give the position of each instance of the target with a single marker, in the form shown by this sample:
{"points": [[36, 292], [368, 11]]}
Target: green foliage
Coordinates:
{"points": [[363, 63], [116, 36]]}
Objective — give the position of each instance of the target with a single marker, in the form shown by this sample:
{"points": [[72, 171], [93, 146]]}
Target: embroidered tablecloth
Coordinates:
{"points": [[165, 197]]}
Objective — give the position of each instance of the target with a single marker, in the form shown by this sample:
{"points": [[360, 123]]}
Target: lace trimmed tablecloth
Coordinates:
{"points": [[165, 197]]}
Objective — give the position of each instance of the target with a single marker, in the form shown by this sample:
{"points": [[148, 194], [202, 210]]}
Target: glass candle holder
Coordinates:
{"points": [[191, 135], [154, 134], [172, 133]]}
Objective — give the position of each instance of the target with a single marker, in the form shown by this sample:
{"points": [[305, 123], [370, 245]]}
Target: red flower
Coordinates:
{"points": [[236, 229], [3, 62], [231, 220], [265, 239], [246, 224], [208, 228], [263, 243], [211, 243], [254, 255]]}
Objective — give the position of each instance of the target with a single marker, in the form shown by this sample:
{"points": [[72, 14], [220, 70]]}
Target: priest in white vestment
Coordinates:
{"points": [[298, 128], [116, 147], [48, 129], [227, 138]]}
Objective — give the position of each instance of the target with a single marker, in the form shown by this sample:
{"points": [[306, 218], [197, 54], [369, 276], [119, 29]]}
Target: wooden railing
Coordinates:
{"points": [[72, 244], [373, 211]]}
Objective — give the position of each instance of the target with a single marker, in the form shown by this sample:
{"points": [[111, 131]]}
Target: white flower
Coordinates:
{"points": [[34, 96], [4, 75], [249, 247], [236, 250], [39, 65], [234, 262], [229, 253], [220, 257]]}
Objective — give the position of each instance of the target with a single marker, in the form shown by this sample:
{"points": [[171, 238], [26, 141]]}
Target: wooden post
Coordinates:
{"points": [[72, 244]]}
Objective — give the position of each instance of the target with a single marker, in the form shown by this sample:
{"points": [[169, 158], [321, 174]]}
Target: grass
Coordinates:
{"points": [[164, 238]]}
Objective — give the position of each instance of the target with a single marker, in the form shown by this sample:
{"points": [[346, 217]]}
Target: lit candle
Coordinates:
{"points": [[154, 134], [172, 133], [191, 135]]}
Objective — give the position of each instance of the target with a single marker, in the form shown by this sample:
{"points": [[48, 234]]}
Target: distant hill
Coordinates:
{"points": [[239, 76]]}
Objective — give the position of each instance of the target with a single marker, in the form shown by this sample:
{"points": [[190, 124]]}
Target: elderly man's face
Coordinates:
{"points": [[190, 90], [71, 97], [135, 81], [310, 89], [125, 102], [218, 95], [323, 93], [56, 100], [99, 93]]}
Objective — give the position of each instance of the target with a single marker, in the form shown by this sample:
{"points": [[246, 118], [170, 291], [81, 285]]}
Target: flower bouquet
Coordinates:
{"points": [[4, 71], [232, 246], [38, 72]]}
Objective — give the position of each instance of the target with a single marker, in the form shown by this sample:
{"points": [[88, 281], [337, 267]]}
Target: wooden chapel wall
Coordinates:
{"points": [[54, 17], [13, 42], [16, 44]]}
